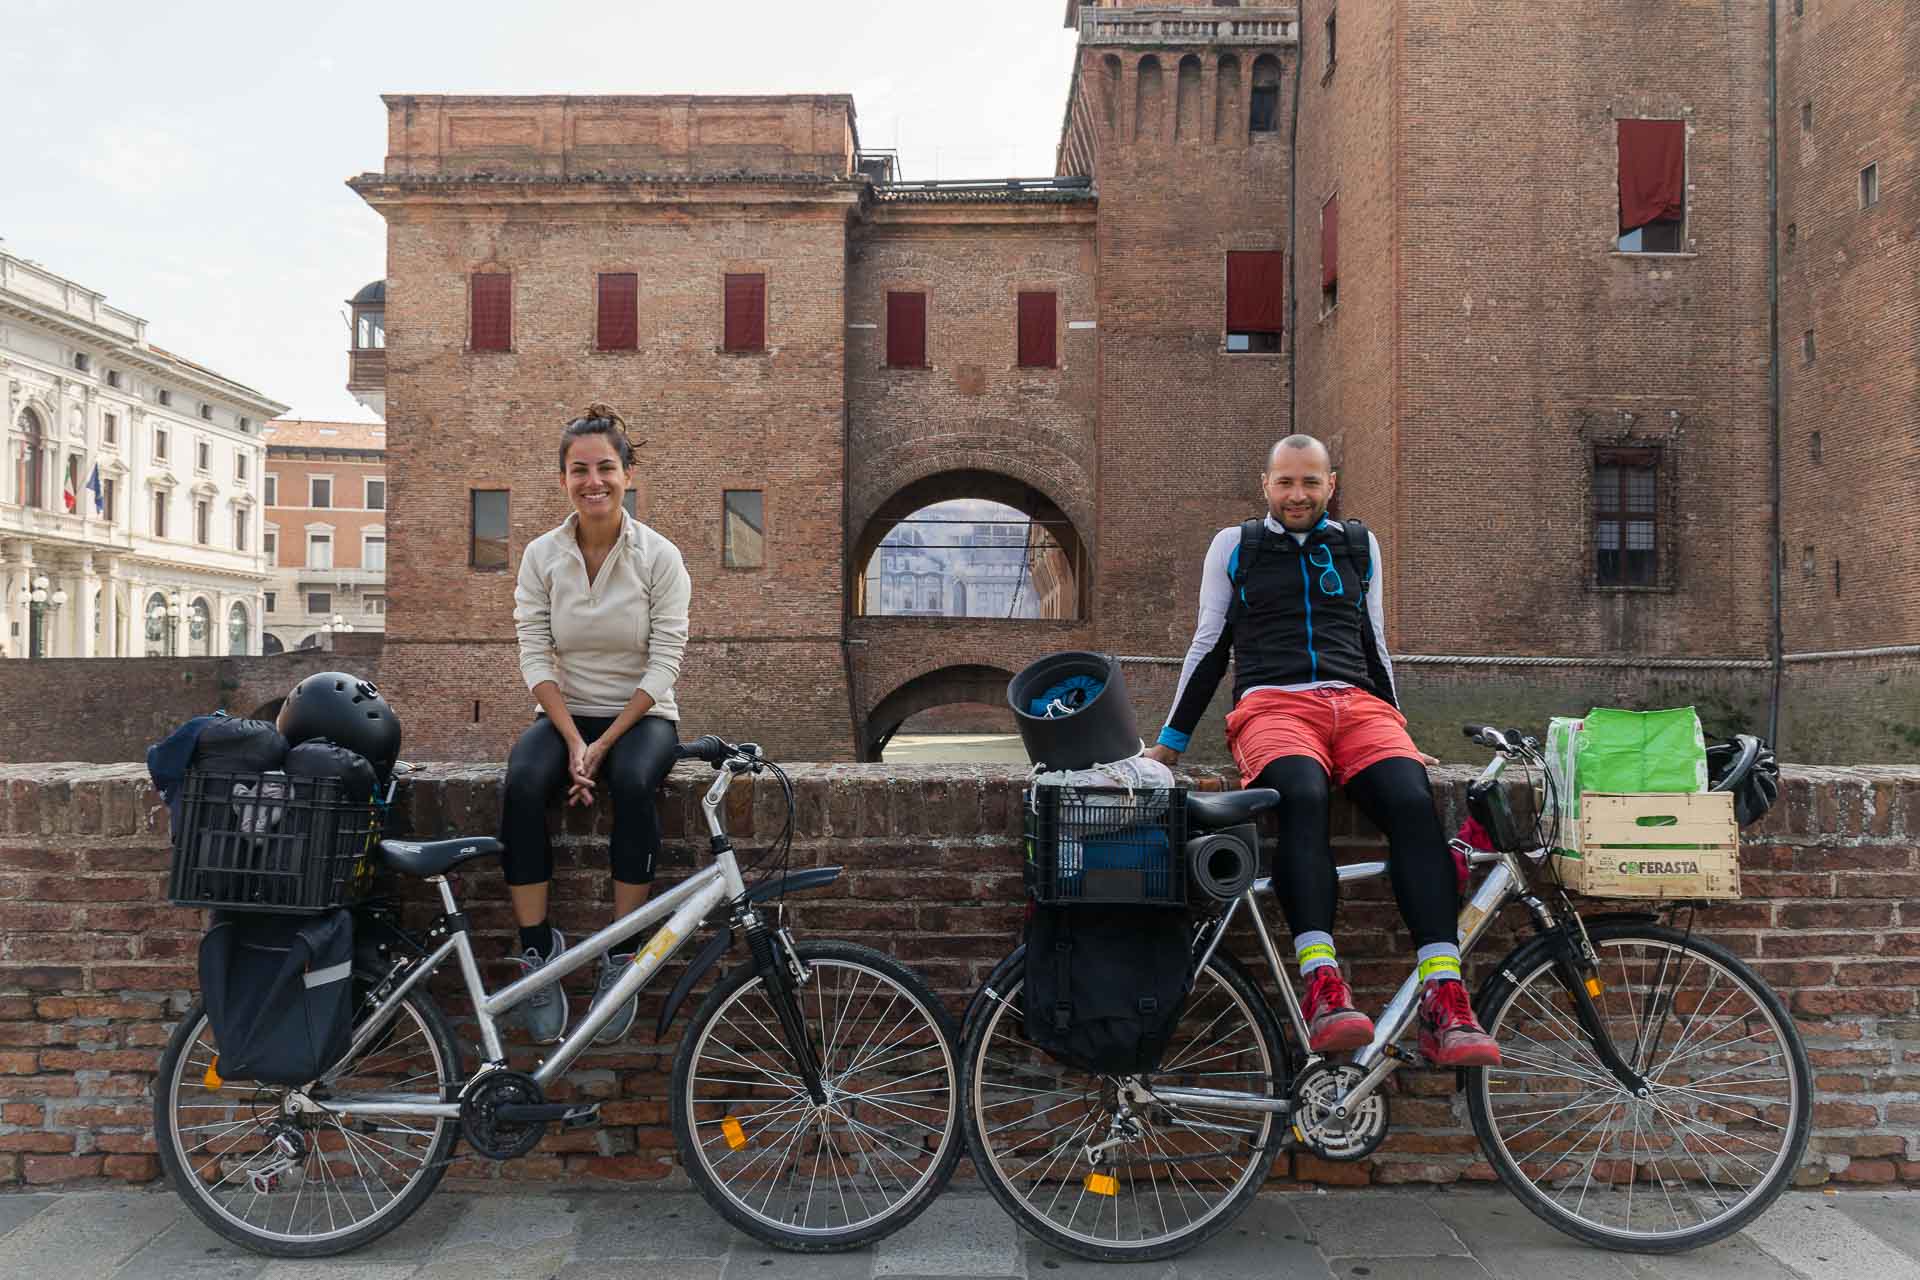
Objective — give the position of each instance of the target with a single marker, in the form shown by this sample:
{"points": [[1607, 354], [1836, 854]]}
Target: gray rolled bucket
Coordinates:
{"points": [[1073, 711]]}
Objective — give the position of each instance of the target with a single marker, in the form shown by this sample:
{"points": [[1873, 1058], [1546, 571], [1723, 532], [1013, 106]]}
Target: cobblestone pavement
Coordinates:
{"points": [[1414, 1234], [1477, 1234]]}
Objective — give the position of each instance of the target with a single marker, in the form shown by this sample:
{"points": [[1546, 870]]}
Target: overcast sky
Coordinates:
{"points": [[188, 160]]}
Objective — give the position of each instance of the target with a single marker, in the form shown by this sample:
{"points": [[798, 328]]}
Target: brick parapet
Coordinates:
{"points": [[94, 968]]}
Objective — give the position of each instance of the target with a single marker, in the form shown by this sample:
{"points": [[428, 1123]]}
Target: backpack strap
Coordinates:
{"points": [[1252, 534], [1063, 975], [1360, 552]]}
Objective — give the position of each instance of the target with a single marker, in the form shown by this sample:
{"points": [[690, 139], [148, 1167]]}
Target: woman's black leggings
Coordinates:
{"points": [[1395, 794], [537, 772]]}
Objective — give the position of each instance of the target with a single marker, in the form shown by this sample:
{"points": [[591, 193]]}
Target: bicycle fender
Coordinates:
{"points": [[1522, 956], [697, 967], [718, 945], [811, 878], [993, 982]]}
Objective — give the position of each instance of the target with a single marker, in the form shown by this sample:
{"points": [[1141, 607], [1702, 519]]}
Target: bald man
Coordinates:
{"points": [[1292, 597]]}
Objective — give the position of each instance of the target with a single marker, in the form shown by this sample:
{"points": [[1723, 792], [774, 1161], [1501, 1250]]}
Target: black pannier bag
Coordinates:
{"points": [[279, 994], [1106, 984], [1109, 945]]}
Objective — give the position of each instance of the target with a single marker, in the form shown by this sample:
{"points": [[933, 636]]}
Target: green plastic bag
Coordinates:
{"points": [[1637, 751], [1621, 752]]}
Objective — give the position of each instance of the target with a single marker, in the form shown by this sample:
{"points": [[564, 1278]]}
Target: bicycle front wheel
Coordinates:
{"points": [[306, 1184], [1083, 1167], [1713, 1139], [802, 1175]]}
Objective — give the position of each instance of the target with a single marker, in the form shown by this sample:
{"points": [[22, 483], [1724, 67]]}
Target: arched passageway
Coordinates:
{"points": [[970, 544]]}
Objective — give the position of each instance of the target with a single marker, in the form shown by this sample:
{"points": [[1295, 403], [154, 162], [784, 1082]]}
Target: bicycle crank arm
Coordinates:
{"points": [[574, 1115]]}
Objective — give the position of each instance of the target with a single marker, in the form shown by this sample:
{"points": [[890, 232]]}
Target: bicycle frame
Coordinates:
{"points": [[683, 907], [1508, 882]]}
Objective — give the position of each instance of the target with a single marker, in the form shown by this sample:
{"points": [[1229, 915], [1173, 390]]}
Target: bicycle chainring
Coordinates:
{"points": [[1317, 1124], [479, 1125]]}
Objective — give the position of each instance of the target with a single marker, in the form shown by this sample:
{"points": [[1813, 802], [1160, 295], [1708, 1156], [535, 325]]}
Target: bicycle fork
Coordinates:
{"points": [[779, 967]]}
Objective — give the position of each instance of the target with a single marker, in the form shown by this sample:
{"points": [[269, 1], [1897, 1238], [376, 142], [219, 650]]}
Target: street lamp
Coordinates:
{"points": [[166, 618], [39, 601], [336, 625]]}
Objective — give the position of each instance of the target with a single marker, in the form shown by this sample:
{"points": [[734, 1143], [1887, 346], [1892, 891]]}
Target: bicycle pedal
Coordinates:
{"points": [[581, 1117]]}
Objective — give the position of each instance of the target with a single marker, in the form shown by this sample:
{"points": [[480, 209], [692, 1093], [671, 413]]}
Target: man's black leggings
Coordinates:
{"points": [[537, 772], [1395, 794]]}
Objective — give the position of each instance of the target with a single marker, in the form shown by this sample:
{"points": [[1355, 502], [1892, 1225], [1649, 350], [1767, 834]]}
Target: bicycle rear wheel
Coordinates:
{"points": [[306, 1185], [1722, 1124], [807, 1177], [1170, 1176]]}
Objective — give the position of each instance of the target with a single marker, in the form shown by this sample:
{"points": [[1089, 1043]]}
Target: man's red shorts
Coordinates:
{"points": [[1344, 728]]}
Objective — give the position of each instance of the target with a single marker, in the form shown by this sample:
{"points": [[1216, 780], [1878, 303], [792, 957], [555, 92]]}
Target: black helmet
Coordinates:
{"points": [[1745, 767], [348, 712]]}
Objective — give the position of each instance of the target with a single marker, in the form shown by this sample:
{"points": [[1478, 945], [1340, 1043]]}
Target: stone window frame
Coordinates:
{"points": [[333, 551], [329, 504], [1666, 513], [1684, 116]]}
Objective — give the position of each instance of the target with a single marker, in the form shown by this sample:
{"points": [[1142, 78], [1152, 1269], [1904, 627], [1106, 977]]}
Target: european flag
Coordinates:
{"points": [[93, 487]]}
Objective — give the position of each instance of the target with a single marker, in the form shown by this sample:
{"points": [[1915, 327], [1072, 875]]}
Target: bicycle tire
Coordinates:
{"points": [[1716, 1121], [1000, 1000], [188, 1052], [720, 1102]]}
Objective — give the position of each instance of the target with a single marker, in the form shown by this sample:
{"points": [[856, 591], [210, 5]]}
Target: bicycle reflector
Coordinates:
{"points": [[735, 1135], [1103, 1184], [212, 1078]]}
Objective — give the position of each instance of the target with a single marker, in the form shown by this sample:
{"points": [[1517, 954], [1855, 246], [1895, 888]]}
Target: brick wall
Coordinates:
{"points": [[108, 709], [1850, 418], [94, 969]]}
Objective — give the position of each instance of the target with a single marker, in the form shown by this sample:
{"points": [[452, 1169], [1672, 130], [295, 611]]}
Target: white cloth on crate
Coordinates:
{"points": [[259, 809]]}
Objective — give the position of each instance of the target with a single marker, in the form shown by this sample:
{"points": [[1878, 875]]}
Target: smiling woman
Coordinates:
{"points": [[601, 612]]}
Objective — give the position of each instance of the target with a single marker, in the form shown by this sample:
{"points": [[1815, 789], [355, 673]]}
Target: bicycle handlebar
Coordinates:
{"points": [[716, 750]]}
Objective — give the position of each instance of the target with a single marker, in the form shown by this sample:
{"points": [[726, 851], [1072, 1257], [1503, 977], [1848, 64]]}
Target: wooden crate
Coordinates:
{"points": [[1695, 854]]}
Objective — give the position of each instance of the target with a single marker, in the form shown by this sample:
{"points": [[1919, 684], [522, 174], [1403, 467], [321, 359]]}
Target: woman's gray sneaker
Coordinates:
{"points": [[544, 1013], [612, 968]]}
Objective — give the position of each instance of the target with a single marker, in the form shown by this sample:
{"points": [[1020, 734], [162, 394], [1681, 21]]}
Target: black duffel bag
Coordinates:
{"points": [[279, 993], [1106, 984]]}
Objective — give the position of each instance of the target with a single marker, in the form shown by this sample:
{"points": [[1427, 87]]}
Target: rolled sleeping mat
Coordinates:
{"points": [[1222, 864], [1073, 712]]}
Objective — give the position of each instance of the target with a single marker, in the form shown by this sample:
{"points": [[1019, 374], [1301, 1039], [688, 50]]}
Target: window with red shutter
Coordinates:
{"points": [[1256, 292], [906, 330], [1653, 185], [746, 312], [1330, 254], [1037, 325], [491, 323], [619, 322]]}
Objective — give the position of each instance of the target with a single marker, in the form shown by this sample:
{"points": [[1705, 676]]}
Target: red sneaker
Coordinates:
{"points": [[1333, 1024], [1450, 1036]]}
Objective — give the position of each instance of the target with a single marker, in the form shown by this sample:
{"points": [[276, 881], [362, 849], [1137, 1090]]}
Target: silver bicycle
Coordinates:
{"points": [[813, 1101], [1654, 1094]]}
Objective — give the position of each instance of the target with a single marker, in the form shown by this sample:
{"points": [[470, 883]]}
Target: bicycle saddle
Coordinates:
{"points": [[436, 857], [1213, 809]]}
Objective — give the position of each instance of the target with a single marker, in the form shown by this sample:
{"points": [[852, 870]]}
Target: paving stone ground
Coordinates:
{"points": [[1476, 1234]]}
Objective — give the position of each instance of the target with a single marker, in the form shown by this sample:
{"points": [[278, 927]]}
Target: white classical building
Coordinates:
{"points": [[130, 501]]}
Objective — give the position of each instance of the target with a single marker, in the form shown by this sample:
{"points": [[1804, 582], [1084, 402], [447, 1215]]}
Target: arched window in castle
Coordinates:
{"points": [[1263, 110], [1186, 109], [1226, 98], [1149, 100], [1110, 90], [30, 480]]}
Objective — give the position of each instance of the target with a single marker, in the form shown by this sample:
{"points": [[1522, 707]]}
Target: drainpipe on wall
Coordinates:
{"points": [[1293, 219], [1778, 638]]}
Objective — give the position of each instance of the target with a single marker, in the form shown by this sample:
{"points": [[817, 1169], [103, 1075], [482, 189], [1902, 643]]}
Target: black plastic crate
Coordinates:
{"points": [[1106, 844], [240, 845]]}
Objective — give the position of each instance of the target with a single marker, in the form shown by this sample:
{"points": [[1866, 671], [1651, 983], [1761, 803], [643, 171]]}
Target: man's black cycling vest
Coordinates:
{"points": [[1299, 612]]}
